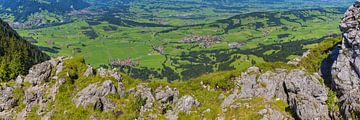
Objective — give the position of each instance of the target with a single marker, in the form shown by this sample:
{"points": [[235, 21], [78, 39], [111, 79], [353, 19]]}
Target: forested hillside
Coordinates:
{"points": [[16, 54]]}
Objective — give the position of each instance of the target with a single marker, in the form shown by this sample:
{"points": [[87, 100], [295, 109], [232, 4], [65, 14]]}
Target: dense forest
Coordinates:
{"points": [[16, 54]]}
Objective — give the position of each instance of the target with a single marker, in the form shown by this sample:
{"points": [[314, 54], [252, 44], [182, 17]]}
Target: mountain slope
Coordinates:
{"points": [[22, 9], [16, 54], [66, 88]]}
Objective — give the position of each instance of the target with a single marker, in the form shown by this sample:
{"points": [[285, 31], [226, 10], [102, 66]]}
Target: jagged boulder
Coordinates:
{"points": [[267, 85], [95, 95], [6, 98], [350, 104], [42, 72], [230, 99], [167, 95], [89, 71], [270, 113], [39, 73], [110, 73], [145, 93], [185, 104], [345, 72], [307, 96], [304, 93]]}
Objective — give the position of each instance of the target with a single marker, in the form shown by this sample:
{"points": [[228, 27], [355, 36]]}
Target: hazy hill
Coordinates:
{"points": [[21, 9]]}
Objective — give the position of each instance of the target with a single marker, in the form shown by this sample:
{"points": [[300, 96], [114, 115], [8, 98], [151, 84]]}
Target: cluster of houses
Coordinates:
{"points": [[124, 62], [207, 41]]}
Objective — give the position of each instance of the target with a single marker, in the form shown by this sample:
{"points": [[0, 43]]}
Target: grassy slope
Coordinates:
{"points": [[219, 82]]}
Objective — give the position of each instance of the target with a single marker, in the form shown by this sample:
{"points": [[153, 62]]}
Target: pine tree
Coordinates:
{"points": [[16, 54]]}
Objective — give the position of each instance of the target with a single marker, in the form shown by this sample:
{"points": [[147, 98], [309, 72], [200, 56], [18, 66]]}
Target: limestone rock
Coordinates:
{"points": [[39, 73], [303, 92], [230, 99], [19, 80], [95, 95], [6, 98], [345, 72], [89, 71], [185, 104], [270, 113], [166, 95], [145, 94]]}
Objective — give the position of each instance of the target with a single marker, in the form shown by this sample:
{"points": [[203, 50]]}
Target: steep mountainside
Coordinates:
{"points": [[346, 68], [16, 54], [323, 85]]}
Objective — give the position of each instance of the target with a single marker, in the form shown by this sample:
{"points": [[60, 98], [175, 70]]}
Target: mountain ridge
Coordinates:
{"points": [[67, 88]]}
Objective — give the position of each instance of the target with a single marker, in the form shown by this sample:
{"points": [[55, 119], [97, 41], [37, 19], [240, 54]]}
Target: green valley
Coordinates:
{"points": [[170, 39], [246, 39]]}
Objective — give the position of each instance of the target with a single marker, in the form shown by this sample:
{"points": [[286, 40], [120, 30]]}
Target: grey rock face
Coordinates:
{"points": [[163, 97], [6, 98], [110, 73], [39, 73], [102, 72], [166, 95], [304, 93], [89, 71], [145, 94], [307, 97], [95, 95], [230, 99], [19, 80], [267, 85], [272, 114], [185, 104], [5, 116], [346, 69], [55, 88]]}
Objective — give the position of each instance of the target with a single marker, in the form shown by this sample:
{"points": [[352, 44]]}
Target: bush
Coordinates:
{"points": [[74, 68]]}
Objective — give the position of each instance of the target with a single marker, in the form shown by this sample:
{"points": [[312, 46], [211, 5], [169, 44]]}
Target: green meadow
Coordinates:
{"points": [[283, 35]]}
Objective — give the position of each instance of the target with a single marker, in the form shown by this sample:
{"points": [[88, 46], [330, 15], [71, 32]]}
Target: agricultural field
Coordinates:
{"points": [[175, 39], [172, 51]]}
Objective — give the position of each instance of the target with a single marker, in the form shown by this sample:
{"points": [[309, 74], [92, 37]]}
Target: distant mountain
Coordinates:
{"points": [[21, 9], [16, 54], [290, 2]]}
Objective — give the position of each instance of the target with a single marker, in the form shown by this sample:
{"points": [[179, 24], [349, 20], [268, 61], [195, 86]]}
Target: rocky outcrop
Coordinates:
{"points": [[267, 85], [270, 113], [39, 77], [89, 71], [184, 104], [345, 70], [39, 73], [304, 93], [7, 101], [95, 95], [166, 99]]}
